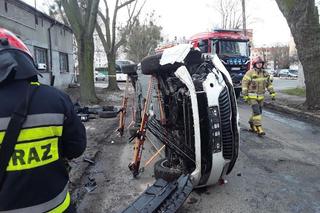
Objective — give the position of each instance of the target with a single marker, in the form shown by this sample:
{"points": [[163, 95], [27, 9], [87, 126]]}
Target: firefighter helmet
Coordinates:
{"points": [[16, 61], [257, 60]]}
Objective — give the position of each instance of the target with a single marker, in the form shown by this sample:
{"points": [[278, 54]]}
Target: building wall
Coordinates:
{"points": [[33, 28]]}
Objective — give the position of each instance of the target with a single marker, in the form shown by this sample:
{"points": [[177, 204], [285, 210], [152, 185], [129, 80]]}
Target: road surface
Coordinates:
{"points": [[277, 173]]}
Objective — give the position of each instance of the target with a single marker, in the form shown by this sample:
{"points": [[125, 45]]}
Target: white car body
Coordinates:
{"points": [[217, 82]]}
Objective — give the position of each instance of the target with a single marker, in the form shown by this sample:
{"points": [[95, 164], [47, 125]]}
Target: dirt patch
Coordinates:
{"points": [[99, 133]]}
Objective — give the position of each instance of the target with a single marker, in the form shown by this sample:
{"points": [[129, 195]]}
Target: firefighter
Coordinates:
{"points": [[254, 84], [35, 178]]}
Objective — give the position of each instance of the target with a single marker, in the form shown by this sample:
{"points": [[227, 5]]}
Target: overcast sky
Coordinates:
{"points": [[187, 17]]}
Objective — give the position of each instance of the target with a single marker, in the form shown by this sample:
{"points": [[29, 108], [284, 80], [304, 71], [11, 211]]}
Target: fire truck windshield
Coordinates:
{"points": [[238, 48]]}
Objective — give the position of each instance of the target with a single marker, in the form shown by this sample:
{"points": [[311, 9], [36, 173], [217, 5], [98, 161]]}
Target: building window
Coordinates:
{"points": [[6, 6], [63, 60], [41, 57]]}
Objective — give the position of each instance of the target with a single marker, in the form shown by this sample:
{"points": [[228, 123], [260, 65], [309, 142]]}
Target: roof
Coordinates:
{"points": [[224, 34], [33, 10]]}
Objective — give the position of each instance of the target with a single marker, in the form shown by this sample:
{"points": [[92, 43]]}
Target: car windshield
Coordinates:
{"points": [[233, 48], [294, 72]]}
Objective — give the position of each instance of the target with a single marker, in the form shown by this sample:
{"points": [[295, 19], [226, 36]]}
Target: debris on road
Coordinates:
{"points": [[91, 185]]}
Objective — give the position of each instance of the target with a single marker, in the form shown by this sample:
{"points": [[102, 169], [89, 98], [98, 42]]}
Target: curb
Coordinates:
{"points": [[293, 112]]}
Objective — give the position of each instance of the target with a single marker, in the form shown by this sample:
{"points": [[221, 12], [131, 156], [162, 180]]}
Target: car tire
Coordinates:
{"points": [[151, 65], [108, 114], [129, 69], [161, 170]]}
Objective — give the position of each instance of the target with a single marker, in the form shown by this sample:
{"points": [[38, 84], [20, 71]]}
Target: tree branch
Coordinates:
{"points": [[102, 38], [72, 15], [93, 15], [124, 4]]}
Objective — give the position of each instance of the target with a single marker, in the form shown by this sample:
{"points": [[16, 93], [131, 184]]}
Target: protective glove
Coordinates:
{"points": [[273, 96]]}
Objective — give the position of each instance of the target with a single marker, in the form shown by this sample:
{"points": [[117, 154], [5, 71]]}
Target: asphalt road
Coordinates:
{"points": [[277, 173]]}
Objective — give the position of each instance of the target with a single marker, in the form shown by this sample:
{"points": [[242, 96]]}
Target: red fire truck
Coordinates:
{"points": [[233, 49]]}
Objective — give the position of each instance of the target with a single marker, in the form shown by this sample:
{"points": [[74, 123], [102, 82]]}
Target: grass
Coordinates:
{"points": [[295, 91]]}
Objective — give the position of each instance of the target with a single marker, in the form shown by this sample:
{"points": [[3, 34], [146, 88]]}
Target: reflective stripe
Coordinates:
{"points": [[44, 119], [32, 155], [35, 83], [36, 133], [63, 206], [256, 118], [57, 204], [259, 98], [246, 78], [259, 79]]}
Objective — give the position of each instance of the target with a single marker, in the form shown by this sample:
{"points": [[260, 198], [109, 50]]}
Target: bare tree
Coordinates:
{"points": [[109, 37], [56, 11], [230, 12], [82, 16], [280, 56], [303, 21], [143, 39]]}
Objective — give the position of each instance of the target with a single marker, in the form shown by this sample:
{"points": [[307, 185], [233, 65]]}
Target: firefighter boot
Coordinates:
{"points": [[260, 131], [253, 128]]}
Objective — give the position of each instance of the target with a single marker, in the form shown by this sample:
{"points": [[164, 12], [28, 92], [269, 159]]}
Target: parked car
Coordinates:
{"points": [[120, 76], [98, 76], [286, 73]]}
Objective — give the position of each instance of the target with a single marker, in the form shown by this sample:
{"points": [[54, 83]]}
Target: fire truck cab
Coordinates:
{"points": [[233, 49]]}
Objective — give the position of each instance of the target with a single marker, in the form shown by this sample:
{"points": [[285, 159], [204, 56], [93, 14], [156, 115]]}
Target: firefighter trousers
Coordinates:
{"points": [[256, 106]]}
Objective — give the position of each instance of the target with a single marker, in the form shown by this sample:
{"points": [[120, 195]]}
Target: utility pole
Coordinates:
{"points": [[244, 17]]}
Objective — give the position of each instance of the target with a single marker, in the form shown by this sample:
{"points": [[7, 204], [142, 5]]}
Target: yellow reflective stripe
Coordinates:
{"points": [[259, 79], [31, 155], [36, 133], [256, 97], [246, 78], [35, 83], [270, 87], [256, 118], [63, 206]]}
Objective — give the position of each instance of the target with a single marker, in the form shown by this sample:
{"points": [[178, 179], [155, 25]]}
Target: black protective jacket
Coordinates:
{"points": [[36, 179]]}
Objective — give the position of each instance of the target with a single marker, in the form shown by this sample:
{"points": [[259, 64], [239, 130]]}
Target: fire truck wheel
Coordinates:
{"points": [[129, 69], [162, 170], [108, 114]]}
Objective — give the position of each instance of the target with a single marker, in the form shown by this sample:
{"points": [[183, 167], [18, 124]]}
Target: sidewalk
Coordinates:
{"points": [[292, 105]]}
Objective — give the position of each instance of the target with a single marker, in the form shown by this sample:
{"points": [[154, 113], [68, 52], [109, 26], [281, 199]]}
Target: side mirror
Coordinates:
{"points": [[42, 66]]}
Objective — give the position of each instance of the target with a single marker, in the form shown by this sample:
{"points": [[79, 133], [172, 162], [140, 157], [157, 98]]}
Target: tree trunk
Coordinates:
{"points": [[113, 85], [86, 54], [303, 21]]}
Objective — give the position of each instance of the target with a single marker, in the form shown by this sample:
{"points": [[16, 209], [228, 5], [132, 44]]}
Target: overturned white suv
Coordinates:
{"points": [[194, 113]]}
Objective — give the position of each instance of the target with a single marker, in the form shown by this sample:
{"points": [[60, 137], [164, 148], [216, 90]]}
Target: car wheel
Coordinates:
{"points": [[129, 69], [162, 170]]}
